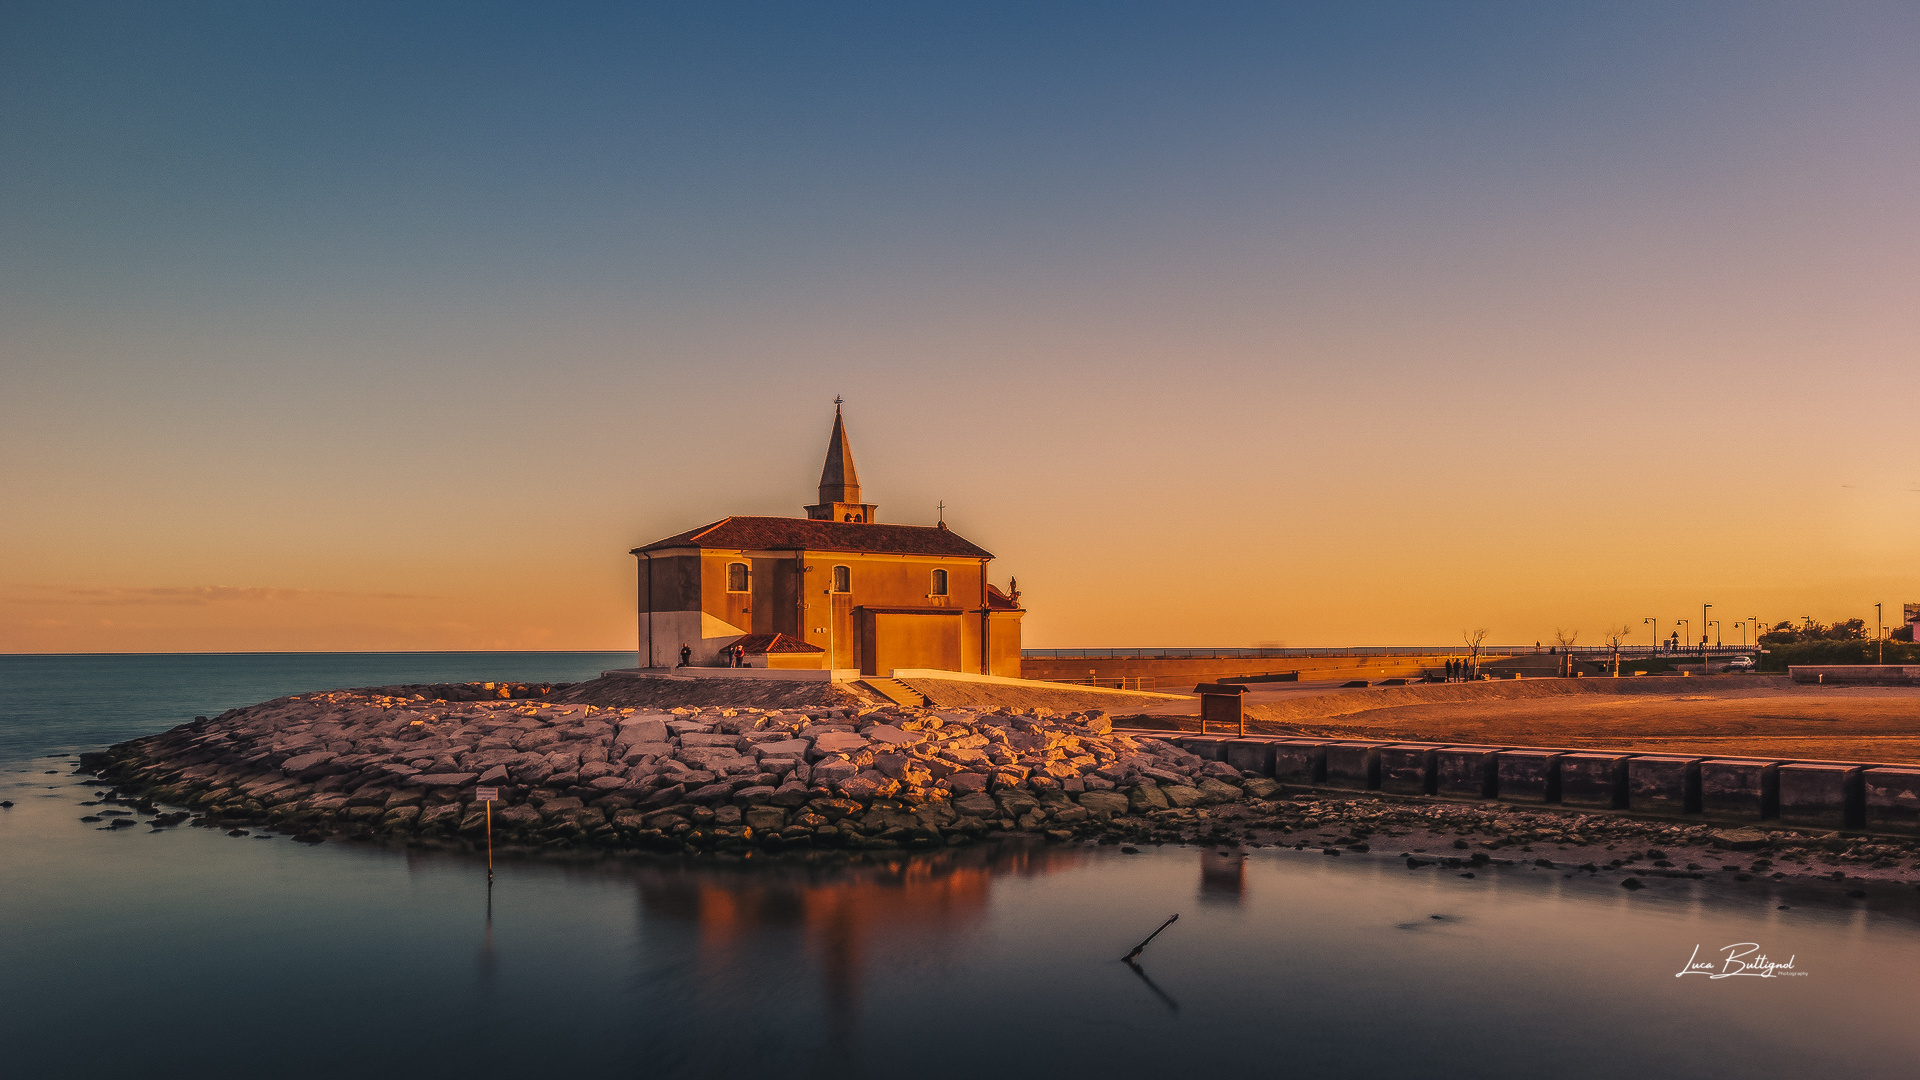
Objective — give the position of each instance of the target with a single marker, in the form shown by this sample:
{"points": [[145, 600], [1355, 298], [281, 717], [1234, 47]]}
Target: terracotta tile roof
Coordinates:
{"points": [[776, 643], [789, 534]]}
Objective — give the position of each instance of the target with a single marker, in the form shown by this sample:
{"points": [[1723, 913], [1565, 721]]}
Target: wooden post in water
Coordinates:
{"points": [[487, 796]]}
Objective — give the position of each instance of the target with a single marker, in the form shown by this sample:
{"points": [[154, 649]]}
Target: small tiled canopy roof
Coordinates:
{"points": [[776, 643], [999, 601], [793, 534]]}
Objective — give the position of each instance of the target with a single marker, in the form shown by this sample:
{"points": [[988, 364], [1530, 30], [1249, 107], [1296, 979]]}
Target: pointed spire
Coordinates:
{"points": [[839, 481]]}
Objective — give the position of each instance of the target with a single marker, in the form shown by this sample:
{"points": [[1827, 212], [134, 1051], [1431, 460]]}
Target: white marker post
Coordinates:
{"points": [[487, 796]]}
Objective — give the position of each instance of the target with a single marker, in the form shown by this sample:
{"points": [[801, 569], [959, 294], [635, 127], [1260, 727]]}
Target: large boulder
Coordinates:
{"points": [[717, 760], [304, 762], [783, 748], [665, 796], [1147, 797], [867, 786], [977, 804], [790, 794], [833, 771], [765, 819], [1260, 788], [1015, 804], [1182, 796], [1105, 803], [694, 739], [437, 817], [442, 779], [517, 817], [839, 742], [892, 736], [966, 783], [649, 729], [1214, 791]]}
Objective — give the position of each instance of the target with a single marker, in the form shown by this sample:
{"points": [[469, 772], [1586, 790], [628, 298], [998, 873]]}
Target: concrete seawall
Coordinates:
{"points": [[1841, 795], [1857, 674], [1183, 672]]}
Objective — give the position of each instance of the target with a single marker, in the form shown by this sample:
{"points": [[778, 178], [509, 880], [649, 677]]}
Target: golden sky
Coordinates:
{"points": [[1356, 329]]}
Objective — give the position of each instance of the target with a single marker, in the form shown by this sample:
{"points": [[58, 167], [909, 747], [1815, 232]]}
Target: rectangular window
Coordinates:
{"points": [[842, 579], [939, 583], [737, 577]]}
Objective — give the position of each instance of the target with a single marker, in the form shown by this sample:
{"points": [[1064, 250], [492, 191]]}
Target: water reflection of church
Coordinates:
{"points": [[838, 912]]}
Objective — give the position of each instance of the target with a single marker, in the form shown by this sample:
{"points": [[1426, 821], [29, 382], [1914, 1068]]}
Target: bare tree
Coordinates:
{"points": [[1616, 636], [1473, 638], [1565, 640]]}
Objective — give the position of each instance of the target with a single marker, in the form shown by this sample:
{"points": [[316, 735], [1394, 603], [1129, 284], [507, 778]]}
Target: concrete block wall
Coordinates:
{"points": [[1594, 780], [1527, 776], [1822, 796], [1466, 772], [1408, 768], [1353, 765], [1663, 784], [1740, 788], [1891, 798], [1813, 794]]}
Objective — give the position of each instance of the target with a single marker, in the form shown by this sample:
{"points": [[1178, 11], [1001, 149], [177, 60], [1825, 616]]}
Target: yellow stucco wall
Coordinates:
{"points": [[789, 593], [892, 640]]}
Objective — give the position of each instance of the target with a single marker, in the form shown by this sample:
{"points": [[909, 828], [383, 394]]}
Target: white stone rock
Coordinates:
{"points": [[839, 742]]}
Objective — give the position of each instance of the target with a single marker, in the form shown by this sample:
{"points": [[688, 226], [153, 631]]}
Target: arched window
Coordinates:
{"points": [[738, 577], [842, 579], [939, 583]]}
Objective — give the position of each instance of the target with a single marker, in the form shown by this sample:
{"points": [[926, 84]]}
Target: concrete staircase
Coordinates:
{"points": [[897, 692]]}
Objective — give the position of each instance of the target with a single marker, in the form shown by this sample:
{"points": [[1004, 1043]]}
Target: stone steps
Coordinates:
{"points": [[897, 692]]}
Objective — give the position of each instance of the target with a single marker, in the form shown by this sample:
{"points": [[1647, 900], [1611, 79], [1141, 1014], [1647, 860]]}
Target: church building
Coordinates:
{"points": [[835, 589]]}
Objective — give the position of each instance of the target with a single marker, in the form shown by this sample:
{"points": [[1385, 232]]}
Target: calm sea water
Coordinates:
{"points": [[190, 953]]}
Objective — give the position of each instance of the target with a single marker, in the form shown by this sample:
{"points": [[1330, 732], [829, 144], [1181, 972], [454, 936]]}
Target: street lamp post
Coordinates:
{"points": [[1686, 628], [1656, 634], [1880, 641], [1703, 637]]}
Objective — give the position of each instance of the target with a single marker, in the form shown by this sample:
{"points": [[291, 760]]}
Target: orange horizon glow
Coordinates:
{"points": [[1317, 327]]}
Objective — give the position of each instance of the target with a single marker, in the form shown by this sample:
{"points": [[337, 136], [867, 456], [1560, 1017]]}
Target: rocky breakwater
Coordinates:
{"points": [[372, 765]]}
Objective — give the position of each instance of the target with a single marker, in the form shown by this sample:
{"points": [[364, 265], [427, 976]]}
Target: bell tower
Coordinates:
{"points": [[839, 482]]}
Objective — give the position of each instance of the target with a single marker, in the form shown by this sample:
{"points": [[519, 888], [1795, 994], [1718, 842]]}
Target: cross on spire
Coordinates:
{"points": [[943, 511]]}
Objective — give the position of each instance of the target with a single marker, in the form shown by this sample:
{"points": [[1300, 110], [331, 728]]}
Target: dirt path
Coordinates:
{"points": [[1745, 716]]}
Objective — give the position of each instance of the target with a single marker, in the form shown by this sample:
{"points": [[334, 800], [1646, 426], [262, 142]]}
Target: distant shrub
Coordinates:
{"points": [[1781, 657]]}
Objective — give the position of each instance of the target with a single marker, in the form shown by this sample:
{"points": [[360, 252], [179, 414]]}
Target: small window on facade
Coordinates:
{"points": [[737, 577], [939, 583], [842, 579]]}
